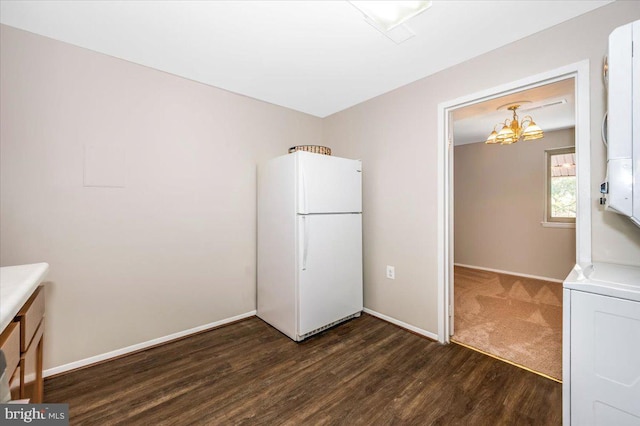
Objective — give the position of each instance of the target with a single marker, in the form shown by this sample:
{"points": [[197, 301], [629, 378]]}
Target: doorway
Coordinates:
{"points": [[509, 257], [579, 72]]}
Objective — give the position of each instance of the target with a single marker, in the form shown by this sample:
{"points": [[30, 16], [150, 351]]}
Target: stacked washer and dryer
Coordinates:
{"points": [[601, 340]]}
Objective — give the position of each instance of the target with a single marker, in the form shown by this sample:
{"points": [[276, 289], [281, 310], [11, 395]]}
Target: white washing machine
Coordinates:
{"points": [[601, 346]]}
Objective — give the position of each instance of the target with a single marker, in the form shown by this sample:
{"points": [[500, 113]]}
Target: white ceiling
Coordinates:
{"points": [[318, 57], [474, 122]]}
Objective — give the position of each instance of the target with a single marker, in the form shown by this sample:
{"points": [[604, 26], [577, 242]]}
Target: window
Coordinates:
{"points": [[561, 185]]}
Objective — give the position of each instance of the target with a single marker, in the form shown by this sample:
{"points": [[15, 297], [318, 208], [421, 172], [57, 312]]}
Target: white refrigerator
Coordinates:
{"points": [[309, 242]]}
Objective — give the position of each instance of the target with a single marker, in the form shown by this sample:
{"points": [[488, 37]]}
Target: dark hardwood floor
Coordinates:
{"points": [[365, 371]]}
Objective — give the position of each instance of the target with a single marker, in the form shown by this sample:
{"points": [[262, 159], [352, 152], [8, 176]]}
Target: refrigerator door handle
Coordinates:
{"points": [[305, 242]]}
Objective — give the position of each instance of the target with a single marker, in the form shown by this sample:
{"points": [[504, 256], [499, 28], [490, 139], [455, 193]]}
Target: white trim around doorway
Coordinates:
{"points": [[579, 71]]}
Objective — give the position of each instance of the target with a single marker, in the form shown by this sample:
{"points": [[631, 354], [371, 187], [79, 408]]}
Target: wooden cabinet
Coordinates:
{"points": [[10, 345], [31, 318], [22, 343]]}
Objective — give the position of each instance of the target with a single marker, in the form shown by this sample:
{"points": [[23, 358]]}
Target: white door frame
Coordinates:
{"points": [[579, 71]]}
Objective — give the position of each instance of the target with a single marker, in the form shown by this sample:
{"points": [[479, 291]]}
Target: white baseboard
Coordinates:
{"points": [[402, 324], [517, 274], [133, 348]]}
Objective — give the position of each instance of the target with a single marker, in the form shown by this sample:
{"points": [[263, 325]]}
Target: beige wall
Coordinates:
{"points": [[396, 137], [499, 197], [175, 248]]}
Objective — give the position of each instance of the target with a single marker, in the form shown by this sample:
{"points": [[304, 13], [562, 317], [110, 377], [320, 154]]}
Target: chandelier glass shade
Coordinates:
{"points": [[513, 130]]}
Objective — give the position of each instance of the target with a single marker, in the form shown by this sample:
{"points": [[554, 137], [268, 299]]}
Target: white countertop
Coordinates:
{"points": [[17, 283]]}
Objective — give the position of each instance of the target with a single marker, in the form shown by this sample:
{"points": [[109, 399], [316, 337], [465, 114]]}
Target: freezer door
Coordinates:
{"points": [[329, 269], [328, 184]]}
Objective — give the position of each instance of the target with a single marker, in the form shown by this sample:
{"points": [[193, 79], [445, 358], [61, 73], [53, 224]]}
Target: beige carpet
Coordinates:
{"points": [[518, 319]]}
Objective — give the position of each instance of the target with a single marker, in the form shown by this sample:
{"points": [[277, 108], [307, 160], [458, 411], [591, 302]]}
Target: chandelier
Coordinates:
{"points": [[514, 131]]}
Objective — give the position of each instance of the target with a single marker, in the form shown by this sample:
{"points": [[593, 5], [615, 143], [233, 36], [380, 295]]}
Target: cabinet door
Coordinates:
{"points": [[14, 384], [32, 381], [605, 360], [10, 345]]}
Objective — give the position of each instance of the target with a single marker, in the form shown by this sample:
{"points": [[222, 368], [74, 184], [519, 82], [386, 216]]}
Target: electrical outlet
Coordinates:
{"points": [[391, 272]]}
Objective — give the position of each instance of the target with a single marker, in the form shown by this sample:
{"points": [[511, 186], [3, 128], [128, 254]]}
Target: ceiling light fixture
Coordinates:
{"points": [[389, 14], [513, 130]]}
